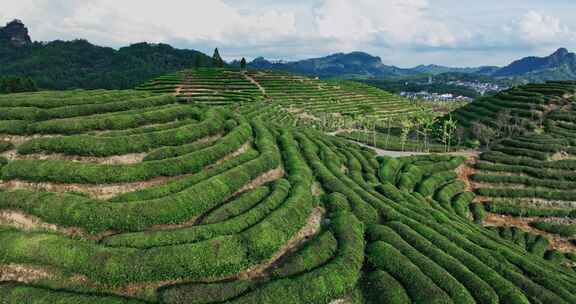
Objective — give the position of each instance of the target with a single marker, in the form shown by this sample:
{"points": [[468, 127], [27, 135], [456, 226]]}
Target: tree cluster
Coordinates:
{"points": [[12, 84]]}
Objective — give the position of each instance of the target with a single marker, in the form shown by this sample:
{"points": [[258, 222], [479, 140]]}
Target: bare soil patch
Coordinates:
{"points": [[20, 139], [264, 178], [126, 159], [23, 273]]}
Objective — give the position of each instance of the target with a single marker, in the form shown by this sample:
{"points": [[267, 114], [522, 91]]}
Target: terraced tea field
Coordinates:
{"points": [[287, 99], [134, 197], [526, 179]]}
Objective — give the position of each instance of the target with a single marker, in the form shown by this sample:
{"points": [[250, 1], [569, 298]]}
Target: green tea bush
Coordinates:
{"points": [[520, 179], [449, 191], [419, 287], [181, 184], [440, 277], [361, 209], [36, 114], [381, 287], [243, 203], [85, 173], [478, 288], [315, 253], [203, 293], [521, 152], [389, 168], [149, 239], [115, 121], [560, 229], [5, 146], [335, 279], [17, 293], [86, 145], [337, 202], [430, 184], [531, 193], [461, 202], [516, 209], [137, 215], [478, 212]]}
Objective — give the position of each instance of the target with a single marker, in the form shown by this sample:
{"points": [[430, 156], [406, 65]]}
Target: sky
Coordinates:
{"points": [[404, 33]]}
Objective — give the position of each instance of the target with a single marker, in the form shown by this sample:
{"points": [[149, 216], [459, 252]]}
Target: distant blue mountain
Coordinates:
{"points": [[356, 65], [560, 65]]}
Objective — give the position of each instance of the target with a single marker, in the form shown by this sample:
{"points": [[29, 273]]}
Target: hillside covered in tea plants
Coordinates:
{"points": [[525, 178], [222, 186]]}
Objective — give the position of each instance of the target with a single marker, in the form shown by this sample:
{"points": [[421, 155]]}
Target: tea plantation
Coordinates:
{"points": [[286, 99], [526, 178], [217, 186]]}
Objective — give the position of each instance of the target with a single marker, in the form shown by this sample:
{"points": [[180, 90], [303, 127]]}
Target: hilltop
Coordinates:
{"points": [[287, 98], [560, 65], [15, 33], [80, 64]]}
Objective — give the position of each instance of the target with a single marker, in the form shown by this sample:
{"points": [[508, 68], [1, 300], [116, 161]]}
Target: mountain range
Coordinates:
{"points": [[357, 65], [561, 65]]}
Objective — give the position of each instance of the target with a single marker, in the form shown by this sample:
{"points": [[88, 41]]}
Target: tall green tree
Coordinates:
{"points": [[217, 59], [243, 63], [12, 84]]}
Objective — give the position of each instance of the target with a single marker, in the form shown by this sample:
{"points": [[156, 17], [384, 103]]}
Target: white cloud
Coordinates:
{"points": [[393, 22], [113, 22], [402, 32], [534, 28]]}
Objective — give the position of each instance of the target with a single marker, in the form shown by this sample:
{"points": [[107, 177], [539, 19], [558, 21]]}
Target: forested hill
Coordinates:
{"points": [[80, 64]]}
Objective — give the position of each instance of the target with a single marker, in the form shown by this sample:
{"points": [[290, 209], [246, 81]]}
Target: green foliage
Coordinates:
{"points": [[217, 61], [434, 181], [447, 192], [516, 209], [206, 231], [389, 168], [3, 161], [478, 212], [210, 233], [441, 278], [515, 193], [333, 280], [17, 293], [12, 84], [137, 215], [419, 287], [73, 64], [74, 172], [242, 204], [461, 202], [115, 121], [381, 287], [203, 293], [560, 229], [107, 146], [315, 253], [5, 146]]}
